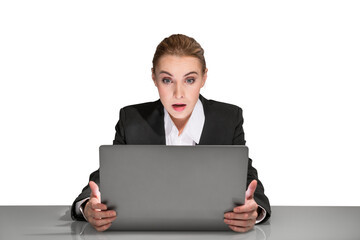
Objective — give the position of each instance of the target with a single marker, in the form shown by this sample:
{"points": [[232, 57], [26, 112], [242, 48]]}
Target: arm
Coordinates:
{"points": [[95, 212], [85, 196], [257, 191]]}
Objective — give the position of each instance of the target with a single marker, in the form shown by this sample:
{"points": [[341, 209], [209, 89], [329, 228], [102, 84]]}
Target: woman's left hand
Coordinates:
{"points": [[243, 217]]}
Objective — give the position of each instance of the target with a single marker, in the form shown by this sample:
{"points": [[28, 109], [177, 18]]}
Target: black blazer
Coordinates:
{"points": [[144, 124]]}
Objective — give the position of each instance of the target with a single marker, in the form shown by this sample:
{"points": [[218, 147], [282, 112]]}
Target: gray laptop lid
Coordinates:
{"points": [[159, 187]]}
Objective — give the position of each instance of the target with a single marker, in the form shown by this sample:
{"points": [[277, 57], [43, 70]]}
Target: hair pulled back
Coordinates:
{"points": [[179, 45]]}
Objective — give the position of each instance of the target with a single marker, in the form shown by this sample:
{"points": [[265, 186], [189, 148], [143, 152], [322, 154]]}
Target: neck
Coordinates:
{"points": [[180, 123]]}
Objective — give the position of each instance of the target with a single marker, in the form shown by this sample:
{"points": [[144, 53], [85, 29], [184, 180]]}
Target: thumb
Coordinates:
{"points": [[251, 190], [95, 190]]}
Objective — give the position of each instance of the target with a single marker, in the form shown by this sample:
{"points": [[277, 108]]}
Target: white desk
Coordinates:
{"points": [[305, 223]]}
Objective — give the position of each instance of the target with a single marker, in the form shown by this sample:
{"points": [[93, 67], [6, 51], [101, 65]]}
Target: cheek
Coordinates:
{"points": [[194, 92], [164, 92]]}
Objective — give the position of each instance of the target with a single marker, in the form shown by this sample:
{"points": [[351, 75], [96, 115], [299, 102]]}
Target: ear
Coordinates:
{"points": [[153, 77], [204, 77]]}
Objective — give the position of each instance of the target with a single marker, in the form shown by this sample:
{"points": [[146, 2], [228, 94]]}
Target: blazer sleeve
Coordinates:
{"points": [[95, 176], [259, 195]]}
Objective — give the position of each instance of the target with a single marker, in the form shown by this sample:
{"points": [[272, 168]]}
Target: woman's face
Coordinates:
{"points": [[179, 80]]}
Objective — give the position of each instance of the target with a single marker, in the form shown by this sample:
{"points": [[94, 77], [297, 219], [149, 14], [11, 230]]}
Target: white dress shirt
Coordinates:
{"points": [[192, 131], [189, 136]]}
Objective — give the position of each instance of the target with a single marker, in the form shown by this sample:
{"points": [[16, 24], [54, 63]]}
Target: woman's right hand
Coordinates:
{"points": [[96, 212]]}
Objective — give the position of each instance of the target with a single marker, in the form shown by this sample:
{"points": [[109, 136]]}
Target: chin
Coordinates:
{"points": [[178, 115]]}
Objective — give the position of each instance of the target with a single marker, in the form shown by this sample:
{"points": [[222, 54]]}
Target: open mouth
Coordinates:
{"points": [[179, 107]]}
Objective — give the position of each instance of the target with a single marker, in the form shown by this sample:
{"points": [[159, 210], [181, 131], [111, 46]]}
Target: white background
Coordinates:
{"points": [[67, 67]]}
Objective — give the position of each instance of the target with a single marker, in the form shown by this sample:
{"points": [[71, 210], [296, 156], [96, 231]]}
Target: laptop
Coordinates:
{"points": [[159, 187]]}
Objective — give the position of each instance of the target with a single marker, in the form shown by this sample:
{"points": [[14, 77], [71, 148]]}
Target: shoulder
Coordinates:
{"points": [[143, 115], [142, 108], [220, 108], [223, 123]]}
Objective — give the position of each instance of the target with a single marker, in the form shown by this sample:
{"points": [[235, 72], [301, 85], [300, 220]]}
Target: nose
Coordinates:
{"points": [[179, 91]]}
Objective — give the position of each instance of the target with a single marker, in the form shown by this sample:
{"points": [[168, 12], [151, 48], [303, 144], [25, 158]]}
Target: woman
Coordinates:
{"points": [[180, 117]]}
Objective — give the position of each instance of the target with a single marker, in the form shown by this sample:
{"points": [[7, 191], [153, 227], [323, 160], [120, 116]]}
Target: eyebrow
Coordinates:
{"points": [[193, 72]]}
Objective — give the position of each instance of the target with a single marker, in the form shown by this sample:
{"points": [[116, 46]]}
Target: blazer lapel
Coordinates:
{"points": [[209, 132], [156, 121]]}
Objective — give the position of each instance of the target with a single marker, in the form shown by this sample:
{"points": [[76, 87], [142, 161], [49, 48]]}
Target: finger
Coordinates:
{"points": [[251, 190], [249, 206], [102, 214], [240, 229], [241, 216], [94, 205], [240, 223], [102, 222], [95, 190], [98, 206]]}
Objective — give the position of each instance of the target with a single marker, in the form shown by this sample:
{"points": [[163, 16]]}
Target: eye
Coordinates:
{"points": [[166, 80], [190, 80]]}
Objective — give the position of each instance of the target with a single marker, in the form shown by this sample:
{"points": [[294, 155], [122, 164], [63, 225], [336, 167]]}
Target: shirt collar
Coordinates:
{"points": [[193, 127]]}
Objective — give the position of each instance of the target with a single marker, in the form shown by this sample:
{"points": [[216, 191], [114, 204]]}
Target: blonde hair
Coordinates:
{"points": [[179, 45]]}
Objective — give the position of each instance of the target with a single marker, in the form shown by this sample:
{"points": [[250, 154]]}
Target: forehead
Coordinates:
{"points": [[172, 63]]}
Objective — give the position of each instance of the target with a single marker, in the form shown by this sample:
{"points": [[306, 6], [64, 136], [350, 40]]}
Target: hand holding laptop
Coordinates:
{"points": [[96, 212], [243, 217]]}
